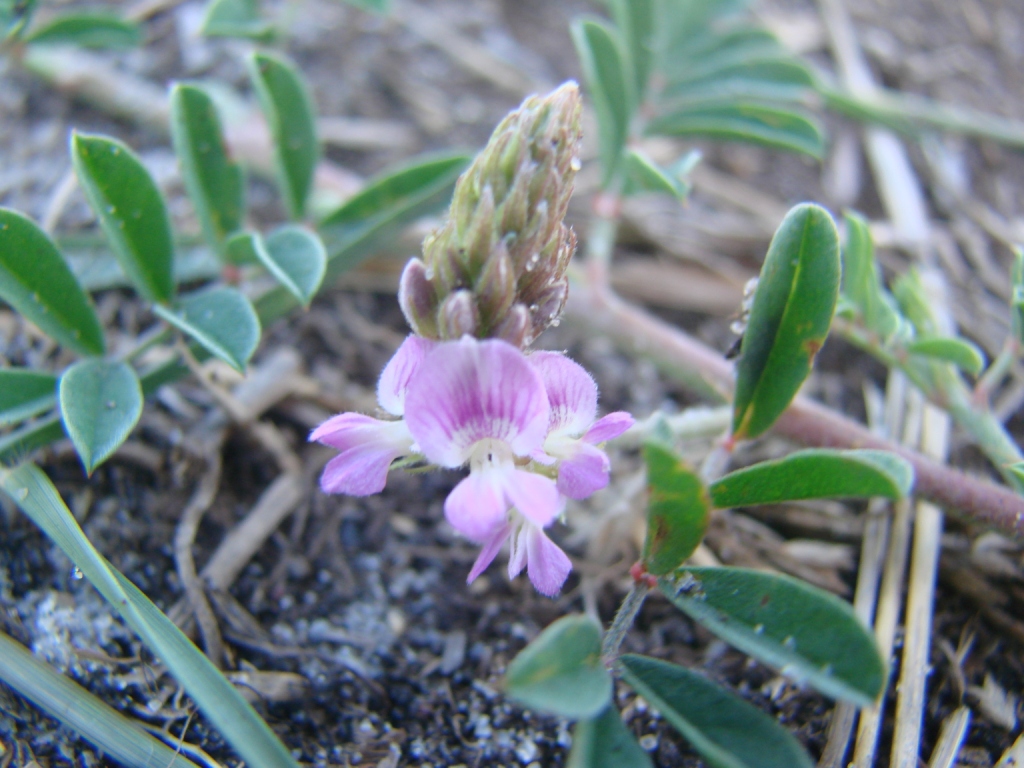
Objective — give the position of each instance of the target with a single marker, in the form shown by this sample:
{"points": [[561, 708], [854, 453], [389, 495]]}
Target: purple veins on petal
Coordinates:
{"points": [[489, 551], [470, 390], [395, 378], [571, 391]]}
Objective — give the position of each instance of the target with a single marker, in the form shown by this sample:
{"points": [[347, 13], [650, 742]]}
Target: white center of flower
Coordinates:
{"points": [[489, 454]]}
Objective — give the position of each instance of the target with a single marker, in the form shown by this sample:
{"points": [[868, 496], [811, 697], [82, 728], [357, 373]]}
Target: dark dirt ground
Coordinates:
{"points": [[387, 657]]}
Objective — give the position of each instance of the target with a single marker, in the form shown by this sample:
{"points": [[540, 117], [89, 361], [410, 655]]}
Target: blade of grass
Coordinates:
{"points": [[216, 697], [97, 722]]}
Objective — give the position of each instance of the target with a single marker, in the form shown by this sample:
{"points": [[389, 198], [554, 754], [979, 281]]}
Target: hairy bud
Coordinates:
{"points": [[418, 299], [504, 244]]}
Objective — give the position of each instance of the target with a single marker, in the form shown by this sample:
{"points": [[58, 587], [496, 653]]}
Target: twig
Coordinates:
{"points": [[184, 538], [951, 737], [872, 558], [917, 643], [890, 597]]}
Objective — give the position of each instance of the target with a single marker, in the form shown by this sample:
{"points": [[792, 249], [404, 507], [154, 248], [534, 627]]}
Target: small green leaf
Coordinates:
{"points": [[677, 510], [24, 394], [605, 742], [635, 20], [1017, 296], [100, 403], [88, 30], [288, 109], [14, 16], [377, 6], [561, 671], [610, 82], [960, 352], [644, 175], [913, 300], [240, 248], [386, 203], [235, 18], [296, 258], [233, 717], [810, 635], [762, 81], [861, 283], [706, 51], [221, 319], [744, 121], [37, 282], [131, 211], [727, 731], [789, 320], [816, 474], [214, 183]]}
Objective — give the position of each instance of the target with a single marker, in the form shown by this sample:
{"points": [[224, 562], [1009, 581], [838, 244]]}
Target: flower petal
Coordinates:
{"points": [[547, 565], [609, 427], [584, 472], [395, 378], [571, 392], [360, 471], [470, 390], [535, 497], [517, 552], [367, 445], [477, 505], [491, 548]]}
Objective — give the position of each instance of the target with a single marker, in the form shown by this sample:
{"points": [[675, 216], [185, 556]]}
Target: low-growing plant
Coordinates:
{"points": [[466, 389]]}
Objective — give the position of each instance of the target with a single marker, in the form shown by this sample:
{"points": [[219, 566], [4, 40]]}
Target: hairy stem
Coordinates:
{"points": [[623, 620]]}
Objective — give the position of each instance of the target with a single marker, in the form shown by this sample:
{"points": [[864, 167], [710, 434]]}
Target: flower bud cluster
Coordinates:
{"points": [[496, 267]]}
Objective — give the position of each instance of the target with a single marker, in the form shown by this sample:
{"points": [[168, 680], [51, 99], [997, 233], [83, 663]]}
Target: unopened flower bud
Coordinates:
{"points": [[549, 305], [505, 222], [496, 288], [458, 316], [418, 299], [516, 327]]}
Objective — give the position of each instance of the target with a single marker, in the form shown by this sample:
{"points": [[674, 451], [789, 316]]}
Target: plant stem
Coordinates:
{"points": [[623, 621]]}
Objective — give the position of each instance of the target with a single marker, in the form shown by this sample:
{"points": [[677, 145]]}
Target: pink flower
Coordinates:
{"points": [[573, 435], [483, 403], [368, 445]]}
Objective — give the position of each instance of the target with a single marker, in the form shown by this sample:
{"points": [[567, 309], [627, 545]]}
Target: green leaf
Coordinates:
{"points": [[861, 283], [240, 248], [388, 202], [789, 319], [761, 81], [635, 20], [561, 671], [24, 394], [1017, 296], [712, 50], [727, 731], [296, 258], [644, 175], [744, 121], [100, 403], [88, 30], [37, 282], [377, 6], [14, 16], [213, 181], [812, 636], [609, 79], [677, 510], [221, 319], [131, 211], [97, 722], [605, 742], [235, 18], [914, 302], [230, 714], [288, 109], [960, 352], [816, 474]]}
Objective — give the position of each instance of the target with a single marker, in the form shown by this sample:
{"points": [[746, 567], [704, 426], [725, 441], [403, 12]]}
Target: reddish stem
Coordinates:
{"points": [[805, 421]]}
